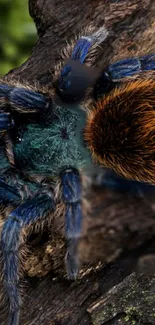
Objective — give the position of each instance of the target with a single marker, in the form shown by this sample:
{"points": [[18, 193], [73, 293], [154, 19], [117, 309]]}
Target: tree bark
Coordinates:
{"points": [[119, 230]]}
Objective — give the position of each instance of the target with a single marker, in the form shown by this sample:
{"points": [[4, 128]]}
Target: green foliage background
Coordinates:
{"points": [[17, 34]]}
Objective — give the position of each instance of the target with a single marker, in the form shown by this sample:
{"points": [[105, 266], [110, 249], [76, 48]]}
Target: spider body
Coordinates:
{"points": [[41, 139], [49, 149], [122, 135]]}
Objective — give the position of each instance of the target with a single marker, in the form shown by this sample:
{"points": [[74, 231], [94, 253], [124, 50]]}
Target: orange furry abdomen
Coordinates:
{"points": [[120, 131]]}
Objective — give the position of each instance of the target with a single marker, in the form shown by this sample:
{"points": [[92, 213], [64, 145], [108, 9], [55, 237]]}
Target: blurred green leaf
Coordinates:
{"points": [[17, 34]]}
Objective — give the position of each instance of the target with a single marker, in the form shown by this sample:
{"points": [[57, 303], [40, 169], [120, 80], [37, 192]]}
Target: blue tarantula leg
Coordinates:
{"points": [[23, 99], [129, 67], [5, 122], [26, 100], [24, 215], [75, 78], [113, 74], [71, 189], [8, 194], [111, 180]]}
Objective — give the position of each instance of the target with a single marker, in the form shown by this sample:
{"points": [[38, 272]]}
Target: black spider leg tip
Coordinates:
{"points": [[103, 85], [71, 190], [24, 215], [14, 318]]}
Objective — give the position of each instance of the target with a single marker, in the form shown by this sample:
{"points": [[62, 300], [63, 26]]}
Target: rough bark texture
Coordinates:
{"points": [[120, 229]]}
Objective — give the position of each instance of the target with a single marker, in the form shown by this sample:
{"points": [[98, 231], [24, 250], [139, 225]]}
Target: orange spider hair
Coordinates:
{"points": [[120, 131]]}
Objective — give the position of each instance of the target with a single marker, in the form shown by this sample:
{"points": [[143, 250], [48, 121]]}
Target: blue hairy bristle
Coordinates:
{"points": [[129, 67], [30, 210], [27, 99], [110, 77], [69, 178], [81, 49], [148, 62], [5, 90], [124, 68]]}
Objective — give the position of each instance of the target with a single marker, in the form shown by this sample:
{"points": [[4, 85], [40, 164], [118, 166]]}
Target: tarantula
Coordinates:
{"points": [[48, 137]]}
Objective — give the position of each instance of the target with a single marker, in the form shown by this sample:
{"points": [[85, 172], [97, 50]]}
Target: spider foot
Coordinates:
{"points": [[71, 190], [72, 260], [14, 317]]}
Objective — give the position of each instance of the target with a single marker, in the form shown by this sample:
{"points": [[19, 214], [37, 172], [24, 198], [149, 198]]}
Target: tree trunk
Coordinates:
{"points": [[120, 228]]}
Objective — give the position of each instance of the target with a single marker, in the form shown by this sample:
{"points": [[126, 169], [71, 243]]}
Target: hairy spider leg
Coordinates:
{"points": [[112, 75], [129, 67], [71, 190], [82, 50], [111, 180], [79, 54], [8, 194], [24, 215], [23, 99], [5, 121]]}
